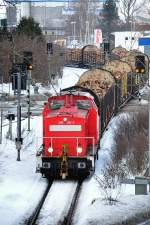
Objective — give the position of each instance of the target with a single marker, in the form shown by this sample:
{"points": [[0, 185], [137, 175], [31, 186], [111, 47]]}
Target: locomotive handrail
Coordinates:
{"points": [[51, 138]]}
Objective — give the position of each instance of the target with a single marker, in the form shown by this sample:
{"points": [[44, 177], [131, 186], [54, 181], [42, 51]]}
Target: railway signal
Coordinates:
{"points": [[29, 67], [140, 64], [107, 47], [17, 70], [28, 58], [28, 61], [50, 48]]}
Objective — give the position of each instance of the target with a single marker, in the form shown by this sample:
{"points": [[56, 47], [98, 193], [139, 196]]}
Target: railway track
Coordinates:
{"points": [[69, 219], [47, 205], [32, 220]]}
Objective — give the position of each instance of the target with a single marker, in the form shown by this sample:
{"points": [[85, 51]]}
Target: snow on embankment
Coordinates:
{"points": [[20, 187], [92, 206]]}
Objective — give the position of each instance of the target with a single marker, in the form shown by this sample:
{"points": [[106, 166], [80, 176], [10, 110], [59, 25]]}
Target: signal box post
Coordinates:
{"points": [[106, 50], [18, 84], [28, 61], [10, 117], [49, 54]]}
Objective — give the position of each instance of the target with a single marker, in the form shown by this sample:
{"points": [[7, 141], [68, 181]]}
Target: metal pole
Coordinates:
{"points": [[149, 131], [10, 128], [1, 123], [49, 70], [18, 141], [74, 30], [1, 134], [29, 81]]}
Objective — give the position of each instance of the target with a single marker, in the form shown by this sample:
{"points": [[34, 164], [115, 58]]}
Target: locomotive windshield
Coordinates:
{"points": [[56, 104], [83, 104]]}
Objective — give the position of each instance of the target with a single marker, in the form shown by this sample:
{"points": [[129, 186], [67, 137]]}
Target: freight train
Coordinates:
{"points": [[74, 120]]}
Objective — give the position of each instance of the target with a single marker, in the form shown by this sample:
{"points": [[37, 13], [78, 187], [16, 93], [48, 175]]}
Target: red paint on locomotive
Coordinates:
{"points": [[70, 122]]}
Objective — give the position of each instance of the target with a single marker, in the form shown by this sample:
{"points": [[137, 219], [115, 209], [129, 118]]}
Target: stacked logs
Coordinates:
{"points": [[90, 55], [98, 80], [118, 68], [128, 56], [73, 55], [119, 51]]}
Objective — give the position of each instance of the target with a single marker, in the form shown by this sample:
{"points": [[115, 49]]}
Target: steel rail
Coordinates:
{"points": [[32, 220], [69, 218]]}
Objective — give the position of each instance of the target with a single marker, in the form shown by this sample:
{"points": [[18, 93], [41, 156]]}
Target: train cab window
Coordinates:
{"points": [[56, 104], [83, 104]]}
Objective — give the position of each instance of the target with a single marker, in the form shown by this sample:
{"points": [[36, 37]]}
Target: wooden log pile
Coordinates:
{"points": [[98, 80], [118, 68], [73, 55], [120, 52]]}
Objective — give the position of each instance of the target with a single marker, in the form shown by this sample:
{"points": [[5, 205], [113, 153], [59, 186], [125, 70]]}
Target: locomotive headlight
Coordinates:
{"points": [[65, 119], [79, 150], [50, 149], [137, 70]]}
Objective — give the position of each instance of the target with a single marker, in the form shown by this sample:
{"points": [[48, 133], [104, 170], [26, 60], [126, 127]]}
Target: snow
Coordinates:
{"points": [[21, 188], [51, 213]]}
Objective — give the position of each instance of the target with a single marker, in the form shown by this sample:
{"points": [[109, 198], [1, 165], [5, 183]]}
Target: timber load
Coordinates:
{"points": [[98, 80], [130, 58], [119, 52], [87, 56], [118, 68]]}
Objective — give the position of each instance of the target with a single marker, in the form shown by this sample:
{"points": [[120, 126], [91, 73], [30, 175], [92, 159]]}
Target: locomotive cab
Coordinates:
{"points": [[70, 137]]}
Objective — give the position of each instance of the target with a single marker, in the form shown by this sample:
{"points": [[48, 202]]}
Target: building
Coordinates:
{"points": [[51, 15], [130, 40]]}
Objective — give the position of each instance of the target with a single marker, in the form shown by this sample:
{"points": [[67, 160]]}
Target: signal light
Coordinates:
{"points": [[142, 71], [140, 64], [29, 67]]}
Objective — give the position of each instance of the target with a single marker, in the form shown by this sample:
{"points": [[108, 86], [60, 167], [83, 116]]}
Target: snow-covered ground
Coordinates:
{"points": [[21, 187]]}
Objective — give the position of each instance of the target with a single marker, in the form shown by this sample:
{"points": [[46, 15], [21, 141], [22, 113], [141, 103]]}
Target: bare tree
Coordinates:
{"points": [[128, 8], [132, 142], [146, 6], [83, 21], [112, 175]]}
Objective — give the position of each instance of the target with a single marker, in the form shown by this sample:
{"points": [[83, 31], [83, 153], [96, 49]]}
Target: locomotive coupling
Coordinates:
{"points": [[64, 163]]}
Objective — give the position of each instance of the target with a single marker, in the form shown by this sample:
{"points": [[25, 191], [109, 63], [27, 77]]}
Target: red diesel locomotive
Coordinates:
{"points": [[74, 120], [70, 135]]}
